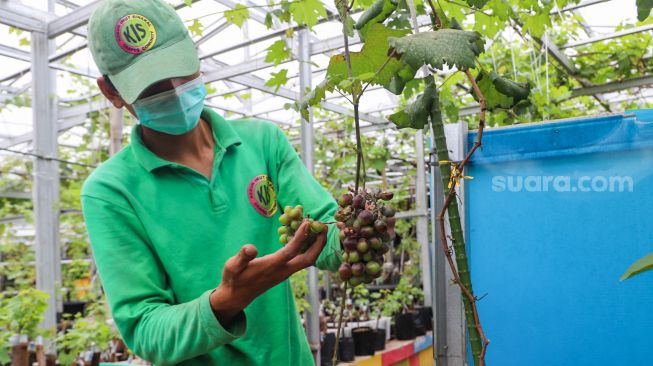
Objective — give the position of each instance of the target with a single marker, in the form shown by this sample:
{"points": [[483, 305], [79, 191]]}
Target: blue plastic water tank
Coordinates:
{"points": [[555, 214]]}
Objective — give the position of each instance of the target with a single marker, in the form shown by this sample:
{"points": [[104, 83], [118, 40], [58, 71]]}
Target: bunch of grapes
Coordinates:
{"points": [[363, 220], [291, 220]]}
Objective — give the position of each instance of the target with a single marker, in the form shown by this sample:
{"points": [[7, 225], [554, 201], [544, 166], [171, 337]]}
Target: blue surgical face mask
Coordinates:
{"points": [[175, 111]]}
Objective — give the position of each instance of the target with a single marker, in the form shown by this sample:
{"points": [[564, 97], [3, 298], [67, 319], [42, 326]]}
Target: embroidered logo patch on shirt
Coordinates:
{"points": [[262, 196], [135, 34]]}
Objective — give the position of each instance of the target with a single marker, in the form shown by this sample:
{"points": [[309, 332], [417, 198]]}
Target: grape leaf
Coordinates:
{"points": [[196, 28], [308, 12], [500, 92], [377, 13], [642, 265], [416, 115], [188, 3], [644, 9], [455, 48], [278, 79], [478, 4], [370, 59], [268, 21], [277, 52], [312, 98], [238, 15]]}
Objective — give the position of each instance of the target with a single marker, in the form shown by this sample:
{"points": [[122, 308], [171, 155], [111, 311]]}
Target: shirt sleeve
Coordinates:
{"points": [[142, 304], [298, 186]]}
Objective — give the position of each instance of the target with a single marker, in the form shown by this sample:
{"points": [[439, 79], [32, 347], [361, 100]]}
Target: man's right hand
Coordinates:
{"points": [[245, 277]]}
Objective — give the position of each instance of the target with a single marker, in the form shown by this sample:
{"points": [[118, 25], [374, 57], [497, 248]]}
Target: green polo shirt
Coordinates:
{"points": [[162, 232]]}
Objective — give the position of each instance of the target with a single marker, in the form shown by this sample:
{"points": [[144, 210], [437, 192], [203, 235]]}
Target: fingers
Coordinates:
{"points": [[238, 263], [309, 257], [294, 246]]}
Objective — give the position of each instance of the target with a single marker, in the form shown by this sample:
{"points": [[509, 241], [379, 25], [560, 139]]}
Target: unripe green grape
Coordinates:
{"points": [[372, 268], [283, 239], [367, 257], [375, 243], [353, 257], [355, 281], [295, 214], [284, 219], [362, 246], [295, 224], [317, 227], [367, 231], [282, 230], [287, 210]]}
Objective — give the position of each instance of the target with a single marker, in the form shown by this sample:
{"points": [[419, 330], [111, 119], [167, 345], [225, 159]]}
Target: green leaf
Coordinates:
{"points": [[377, 13], [642, 265], [24, 42], [644, 9], [278, 79], [416, 115], [500, 92], [370, 59], [277, 52], [196, 28], [313, 98], [188, 3], [478, 4], [537, 23], [268, 21], [308, 12], [455, 48], [238, 15]]}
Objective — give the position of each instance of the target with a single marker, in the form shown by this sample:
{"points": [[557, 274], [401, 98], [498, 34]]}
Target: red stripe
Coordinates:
{"points": [[396, 355]]}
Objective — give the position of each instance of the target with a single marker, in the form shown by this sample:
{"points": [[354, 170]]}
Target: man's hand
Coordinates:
{"points": [[245, 277]]}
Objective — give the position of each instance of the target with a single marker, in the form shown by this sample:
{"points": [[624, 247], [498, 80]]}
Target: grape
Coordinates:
{"points": [[363, 220], [367, 231], [365, 217], [386, 196], [345, 200], [380, 226], [284, 219], [350, 244], [357, 269], [388, 211], [358, 201], [317, 227], [345, 271], [354, 257], [375, 243], [372, 268], [362, 246], [291, 220]]}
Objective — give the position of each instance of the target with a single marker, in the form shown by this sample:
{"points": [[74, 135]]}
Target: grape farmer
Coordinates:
{"points": [[169, 216]]}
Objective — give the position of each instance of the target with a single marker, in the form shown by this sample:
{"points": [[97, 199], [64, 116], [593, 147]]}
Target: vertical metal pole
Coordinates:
{"points": [[46, 175], [420, 195], [439, 281], [247, 103], [305, 81], [116, 124]]}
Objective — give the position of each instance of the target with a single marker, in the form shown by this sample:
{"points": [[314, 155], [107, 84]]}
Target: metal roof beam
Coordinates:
{"points": [[72, 20], [613, 86], [625, 32], [17, 15]]}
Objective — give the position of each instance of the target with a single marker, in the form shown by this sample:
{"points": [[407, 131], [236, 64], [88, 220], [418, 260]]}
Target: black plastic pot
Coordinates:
{"points": [[363, 341], [405, 326], [379, 339], [420, 327], [426, 312], [346, 349], [327, 346]]}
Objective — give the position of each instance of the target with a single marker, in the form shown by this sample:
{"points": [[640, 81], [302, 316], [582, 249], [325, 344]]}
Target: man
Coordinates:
{"points": [[168, 215]]}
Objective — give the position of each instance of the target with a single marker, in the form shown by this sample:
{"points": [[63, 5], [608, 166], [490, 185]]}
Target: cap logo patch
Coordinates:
{"points": [[262, 196], [135, 34]]}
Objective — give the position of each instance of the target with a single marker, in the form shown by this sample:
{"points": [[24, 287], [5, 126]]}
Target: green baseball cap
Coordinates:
{"points": [[138, 43]]}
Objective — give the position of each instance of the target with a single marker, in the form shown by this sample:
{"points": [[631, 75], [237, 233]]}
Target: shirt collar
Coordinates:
{"points": [[223, 134]]}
